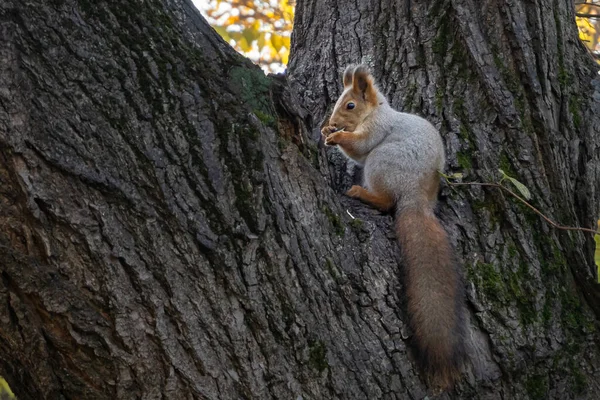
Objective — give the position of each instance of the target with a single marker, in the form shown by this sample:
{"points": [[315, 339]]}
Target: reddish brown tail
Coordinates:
{"points": [[435, 295]]}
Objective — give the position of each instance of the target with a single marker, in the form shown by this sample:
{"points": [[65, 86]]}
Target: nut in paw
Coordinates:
{"points": [[328, 130]]}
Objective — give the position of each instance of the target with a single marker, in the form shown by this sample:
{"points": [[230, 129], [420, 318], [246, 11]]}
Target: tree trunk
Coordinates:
{"points": [[510, 87], [170, 227]]}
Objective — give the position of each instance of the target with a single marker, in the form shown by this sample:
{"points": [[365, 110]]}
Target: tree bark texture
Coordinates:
{"points": [[510, 87], [170, 226]]}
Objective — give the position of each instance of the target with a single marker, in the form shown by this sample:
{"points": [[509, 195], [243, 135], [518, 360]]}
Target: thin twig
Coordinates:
{"points": [[538, 212]]}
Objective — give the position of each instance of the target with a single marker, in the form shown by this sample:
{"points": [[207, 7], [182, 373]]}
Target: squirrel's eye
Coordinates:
{"points": [[350, 106]]}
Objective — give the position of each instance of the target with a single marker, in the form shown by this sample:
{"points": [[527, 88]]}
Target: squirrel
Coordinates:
{"points": [[401, 154]]}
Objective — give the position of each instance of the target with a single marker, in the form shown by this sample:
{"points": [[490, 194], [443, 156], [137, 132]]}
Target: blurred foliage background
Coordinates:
{"points": [[259, 29], [588, 17]]}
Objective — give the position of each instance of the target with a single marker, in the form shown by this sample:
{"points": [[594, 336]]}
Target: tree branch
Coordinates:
{"points": [[538, 212]]}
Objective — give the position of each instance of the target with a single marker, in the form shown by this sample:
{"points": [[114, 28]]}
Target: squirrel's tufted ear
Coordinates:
{"points": [[348, 75], [362, 83]]}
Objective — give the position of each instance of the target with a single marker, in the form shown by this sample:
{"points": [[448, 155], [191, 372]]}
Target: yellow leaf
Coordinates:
{"points": [[584, 36], [272, 52], [236, 35], [222, 32], [261, 41], [244, 45], [250, 35], [4, 388], [276, 41], [232, 20]]}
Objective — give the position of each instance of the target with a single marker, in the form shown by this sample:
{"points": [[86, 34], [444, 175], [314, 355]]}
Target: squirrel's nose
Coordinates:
{"points": [[334, 124]]}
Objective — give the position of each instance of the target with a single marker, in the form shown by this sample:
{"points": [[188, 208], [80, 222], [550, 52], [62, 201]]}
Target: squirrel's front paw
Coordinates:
{"points": [[328, 130], [332, 139], [355, 191]]}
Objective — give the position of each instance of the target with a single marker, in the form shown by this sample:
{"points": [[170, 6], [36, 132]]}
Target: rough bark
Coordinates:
{"points": [[510, 87], [169, 226]]}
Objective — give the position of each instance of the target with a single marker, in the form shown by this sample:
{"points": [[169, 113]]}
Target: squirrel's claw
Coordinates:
{"points": [[328, 130], [331, 140]]}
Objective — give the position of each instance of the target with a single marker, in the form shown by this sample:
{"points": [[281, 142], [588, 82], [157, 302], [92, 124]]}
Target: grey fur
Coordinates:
{"points": [[401, 152]]}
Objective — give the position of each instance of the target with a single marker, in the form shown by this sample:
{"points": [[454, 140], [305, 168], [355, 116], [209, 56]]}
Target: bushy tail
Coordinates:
{"points": [[435, 295]]}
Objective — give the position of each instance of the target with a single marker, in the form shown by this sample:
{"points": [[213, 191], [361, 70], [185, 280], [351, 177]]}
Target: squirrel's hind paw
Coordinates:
{"points": [[355, 191]]}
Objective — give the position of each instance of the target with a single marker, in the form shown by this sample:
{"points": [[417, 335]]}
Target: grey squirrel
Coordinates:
{"points": [[402, 154]]}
